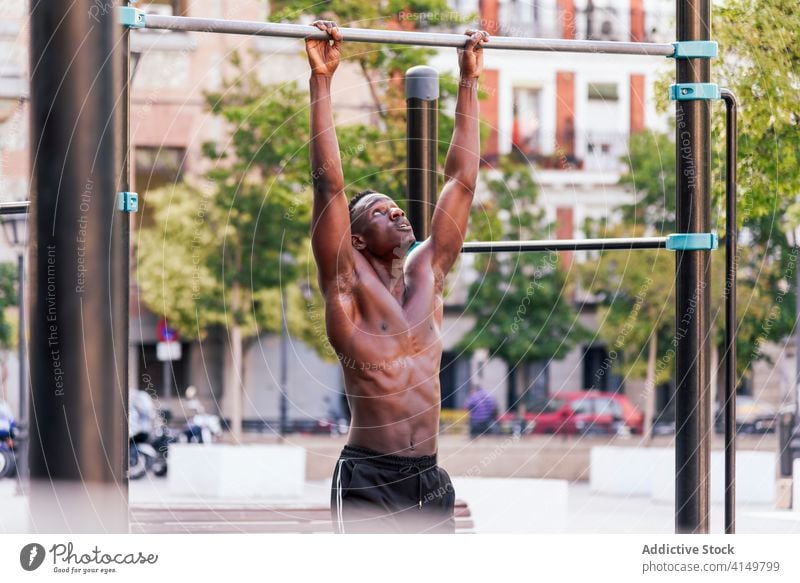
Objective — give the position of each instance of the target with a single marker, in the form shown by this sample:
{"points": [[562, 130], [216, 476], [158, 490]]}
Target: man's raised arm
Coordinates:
{"points": [[330, 225], [449, 223]]}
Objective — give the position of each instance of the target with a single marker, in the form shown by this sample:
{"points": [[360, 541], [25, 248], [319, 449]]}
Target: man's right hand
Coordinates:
{"points": [[322, 55]]}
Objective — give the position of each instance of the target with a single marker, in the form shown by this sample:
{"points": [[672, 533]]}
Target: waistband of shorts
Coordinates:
{"points": [[387, 459]]}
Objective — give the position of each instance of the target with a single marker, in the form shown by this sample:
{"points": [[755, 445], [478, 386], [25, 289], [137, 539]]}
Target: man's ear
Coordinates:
{"points": [[358, 242]]}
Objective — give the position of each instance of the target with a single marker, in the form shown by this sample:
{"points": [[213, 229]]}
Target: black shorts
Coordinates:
{"points": [[382, 493]]}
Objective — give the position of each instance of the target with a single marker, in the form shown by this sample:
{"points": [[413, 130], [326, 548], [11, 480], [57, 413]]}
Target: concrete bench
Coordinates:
{"points": [[515, 505], [650, 472], [236, 471]]}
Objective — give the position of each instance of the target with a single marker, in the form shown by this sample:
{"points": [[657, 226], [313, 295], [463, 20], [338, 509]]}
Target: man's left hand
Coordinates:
{"points": [[470, 58]]}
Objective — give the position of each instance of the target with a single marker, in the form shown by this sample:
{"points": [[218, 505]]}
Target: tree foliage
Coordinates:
{"points": [[521, 302], [218, 249], [9, 297]]}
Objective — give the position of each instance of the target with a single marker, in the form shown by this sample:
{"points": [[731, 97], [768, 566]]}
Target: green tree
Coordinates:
{"points": [[9, 297], [9, 315], [520, 301], [651, 175], [759, 59], [760, 63]]}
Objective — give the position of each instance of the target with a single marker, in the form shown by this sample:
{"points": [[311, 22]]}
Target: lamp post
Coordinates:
{"points": [[287, 262], [15, 228], [795, 441], [284, 372]]}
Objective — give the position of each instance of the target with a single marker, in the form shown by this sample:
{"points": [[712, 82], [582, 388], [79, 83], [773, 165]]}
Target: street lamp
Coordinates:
{"points": [[15, 228], [795, 442], [286, 261]]}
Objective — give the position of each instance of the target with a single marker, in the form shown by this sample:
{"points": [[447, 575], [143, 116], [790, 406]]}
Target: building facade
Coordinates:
{"points": [[570, 114]]}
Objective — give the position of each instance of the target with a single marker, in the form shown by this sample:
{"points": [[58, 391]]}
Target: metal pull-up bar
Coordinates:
{"points": [[565, 245], [137, 19]]}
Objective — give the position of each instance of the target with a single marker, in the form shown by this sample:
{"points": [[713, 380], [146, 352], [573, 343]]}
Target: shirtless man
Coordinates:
{"points": [[383, 312]]}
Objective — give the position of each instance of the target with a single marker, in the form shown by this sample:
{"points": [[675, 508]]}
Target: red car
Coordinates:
{"points": [[584, 412]]}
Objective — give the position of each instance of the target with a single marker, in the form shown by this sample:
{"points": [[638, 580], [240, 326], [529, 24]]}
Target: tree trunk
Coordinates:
{"points": [[650, 388], [714, 376], [233, 390]]}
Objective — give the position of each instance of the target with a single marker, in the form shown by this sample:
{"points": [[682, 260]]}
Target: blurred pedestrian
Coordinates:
{"points": [[482, 411]]}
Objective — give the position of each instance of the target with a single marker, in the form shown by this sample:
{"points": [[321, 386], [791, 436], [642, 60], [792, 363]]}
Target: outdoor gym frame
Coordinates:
{"points": [[80, 101]]}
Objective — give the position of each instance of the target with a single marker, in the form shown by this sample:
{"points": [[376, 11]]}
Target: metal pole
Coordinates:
{"points": [[692, 439], [284, 404], [794, 443], [422, 106], [730, 310], [624, 243], [166, 378], [78, 283], [21, 452], [425, 39]]}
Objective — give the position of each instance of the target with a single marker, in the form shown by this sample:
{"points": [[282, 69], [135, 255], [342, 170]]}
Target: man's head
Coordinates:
{"points": [[378, 225]]}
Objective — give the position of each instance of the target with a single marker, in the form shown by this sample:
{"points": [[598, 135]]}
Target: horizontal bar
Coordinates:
{"points": [[15, 208], [401, 37], [566, 245]]}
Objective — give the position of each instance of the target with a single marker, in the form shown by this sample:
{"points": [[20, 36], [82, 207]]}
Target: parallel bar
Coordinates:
{"points": [[400, 37], [566, 245], [15, 208], [729, 406], [692, 321]]}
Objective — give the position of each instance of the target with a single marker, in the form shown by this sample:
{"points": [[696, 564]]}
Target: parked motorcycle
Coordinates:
{"points": [[161, 437], [149, 437], [8, 432], [201, 427]]}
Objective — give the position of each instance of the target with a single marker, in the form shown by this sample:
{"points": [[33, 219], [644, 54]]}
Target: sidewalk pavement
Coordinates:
{"points": [[587, 512]]}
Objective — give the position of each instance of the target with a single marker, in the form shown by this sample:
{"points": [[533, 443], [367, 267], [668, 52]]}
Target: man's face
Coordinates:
{"points": [[381, 227]]}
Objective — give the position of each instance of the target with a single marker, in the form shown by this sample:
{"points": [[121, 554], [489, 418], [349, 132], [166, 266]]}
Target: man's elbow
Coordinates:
{"points": [[464, 181], [326, 189]]}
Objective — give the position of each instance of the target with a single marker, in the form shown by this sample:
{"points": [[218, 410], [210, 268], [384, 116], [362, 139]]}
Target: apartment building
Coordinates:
{"points": [[570, 114]]}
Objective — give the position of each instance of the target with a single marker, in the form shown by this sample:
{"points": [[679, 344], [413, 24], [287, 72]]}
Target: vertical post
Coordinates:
{"points": [[22, 445], [120, 247], [166, 378], [79, 269], [794, 443], [731, 143], [692, 439], [422, 103], [284, 372]]}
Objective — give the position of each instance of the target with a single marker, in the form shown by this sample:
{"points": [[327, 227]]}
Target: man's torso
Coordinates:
{"points": [[390, 350]]}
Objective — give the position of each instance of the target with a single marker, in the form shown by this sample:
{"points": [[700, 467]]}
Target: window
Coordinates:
{"points": [[603, 91], [581, 406], [606, 406], [454, 379], [545, 405], [166, 7], [155, 168], [526, 126]]}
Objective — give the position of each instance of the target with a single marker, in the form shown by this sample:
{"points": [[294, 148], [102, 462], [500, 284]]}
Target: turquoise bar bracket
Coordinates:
{"points": [[128, 202], [131, 17], [695, 49], [693, 91], [692, 241]]}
